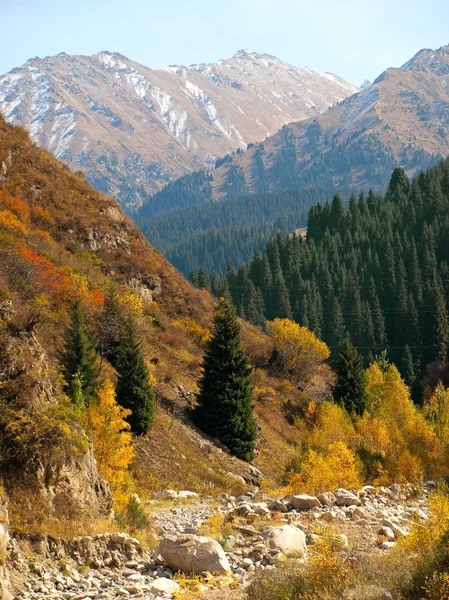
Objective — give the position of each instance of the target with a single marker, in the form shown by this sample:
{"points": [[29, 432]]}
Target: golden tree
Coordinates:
{"points": [[297, 351], [112, 441]]}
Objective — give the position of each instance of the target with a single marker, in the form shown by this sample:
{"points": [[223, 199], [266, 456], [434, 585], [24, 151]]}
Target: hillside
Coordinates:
{"points": [[402, 119], [60, 242], [133, 129], [60, 239]]}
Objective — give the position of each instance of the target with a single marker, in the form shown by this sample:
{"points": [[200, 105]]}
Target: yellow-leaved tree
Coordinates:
{"points": [[397, 430], [112, 442], [297, 351], [336, 467]]}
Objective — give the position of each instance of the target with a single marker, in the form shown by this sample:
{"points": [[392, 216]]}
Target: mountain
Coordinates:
{"points": [[401, 119], [132, 129]]}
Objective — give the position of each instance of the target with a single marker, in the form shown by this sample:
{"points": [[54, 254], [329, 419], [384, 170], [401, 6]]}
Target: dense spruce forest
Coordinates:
{"points": [[376, 272], [212, 233]]}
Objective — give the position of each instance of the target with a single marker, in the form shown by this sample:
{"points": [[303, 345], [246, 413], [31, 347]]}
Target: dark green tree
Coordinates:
{"points": [[80, 367], [133, 386], [351, 379], [110, 328], [224, 408]]}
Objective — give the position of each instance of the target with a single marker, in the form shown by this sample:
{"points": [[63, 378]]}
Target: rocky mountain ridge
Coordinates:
{"points": [[400, 120], [132, 129]]}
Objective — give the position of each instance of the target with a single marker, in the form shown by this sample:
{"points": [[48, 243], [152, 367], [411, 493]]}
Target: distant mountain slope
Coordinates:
{"points": [[402, 119], [133, 129]]}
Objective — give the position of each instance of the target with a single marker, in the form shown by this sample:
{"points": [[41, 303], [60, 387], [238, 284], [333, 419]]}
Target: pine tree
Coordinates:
{"points": [[110, 328], [351, 380], [134, 391], [224, 407], [80, 368]]}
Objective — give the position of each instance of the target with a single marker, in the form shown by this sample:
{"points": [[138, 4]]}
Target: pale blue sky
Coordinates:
{"points": [[353, 39]]}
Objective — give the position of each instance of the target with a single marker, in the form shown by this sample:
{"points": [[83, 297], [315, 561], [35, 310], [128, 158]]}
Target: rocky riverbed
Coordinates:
{"points": [[256, 533]]}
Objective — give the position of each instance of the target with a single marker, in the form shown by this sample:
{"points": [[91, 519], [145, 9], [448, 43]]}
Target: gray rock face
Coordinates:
{"points": [[346, 498], [304, 502], [194, 554], [287, 539]]}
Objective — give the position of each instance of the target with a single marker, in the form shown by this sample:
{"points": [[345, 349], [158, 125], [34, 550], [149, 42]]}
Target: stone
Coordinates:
{"points": [[304, 502], [346, 498], [278, 506], [193, 554], [165, 495], [290, 540], [164, 586], [326, 498], [187, 494], [386, 532]]}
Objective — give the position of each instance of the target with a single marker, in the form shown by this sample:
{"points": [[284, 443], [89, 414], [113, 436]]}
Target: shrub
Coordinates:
{"points": [[337, 467]]}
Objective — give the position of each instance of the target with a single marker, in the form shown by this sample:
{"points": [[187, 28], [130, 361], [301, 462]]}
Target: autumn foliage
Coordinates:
{"points": [[297, 350], [112, 441]]}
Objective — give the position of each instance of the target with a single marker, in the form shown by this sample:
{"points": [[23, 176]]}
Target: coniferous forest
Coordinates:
{"points": [[376, 273], [210, 233]]}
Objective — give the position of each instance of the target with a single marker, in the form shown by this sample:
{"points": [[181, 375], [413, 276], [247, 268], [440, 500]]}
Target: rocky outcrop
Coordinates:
{"points": [[75, 486], [194, 554]]}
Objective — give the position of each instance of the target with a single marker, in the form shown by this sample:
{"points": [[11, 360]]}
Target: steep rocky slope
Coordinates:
{"points": [[59, 238], [132, 129], [402, 119]]}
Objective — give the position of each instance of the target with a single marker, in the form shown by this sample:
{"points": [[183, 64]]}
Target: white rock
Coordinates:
{"points": [[165, 495], [304, 502], [193, 554], [346, 498], [187, 494], [326, 498], [162, 585], [290, 540]]}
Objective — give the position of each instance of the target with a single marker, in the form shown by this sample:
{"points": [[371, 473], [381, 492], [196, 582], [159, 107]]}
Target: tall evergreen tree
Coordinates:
{"points": [[133, 385], [80, 368], [224, 407], [351, 379]]}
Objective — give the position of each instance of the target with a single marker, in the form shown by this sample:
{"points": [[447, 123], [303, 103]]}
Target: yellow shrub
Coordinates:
{"points": [[336, 467], [9, 220], [326, 570], [299, 350], [112, 441], [133, 301], [200, 335]]}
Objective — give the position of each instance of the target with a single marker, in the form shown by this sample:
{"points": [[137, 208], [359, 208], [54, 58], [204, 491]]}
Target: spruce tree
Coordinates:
{"points": [[351, 379], [224, 408], [80, 368], [133, 386]]}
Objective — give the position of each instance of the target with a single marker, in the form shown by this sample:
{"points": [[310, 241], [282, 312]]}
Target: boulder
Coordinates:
{"points": [[278, 506], [346, 498], [163, 586], [165, 495], [326, 498], [193, 554], [288, 539], [304, 502], [187, 494]]}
